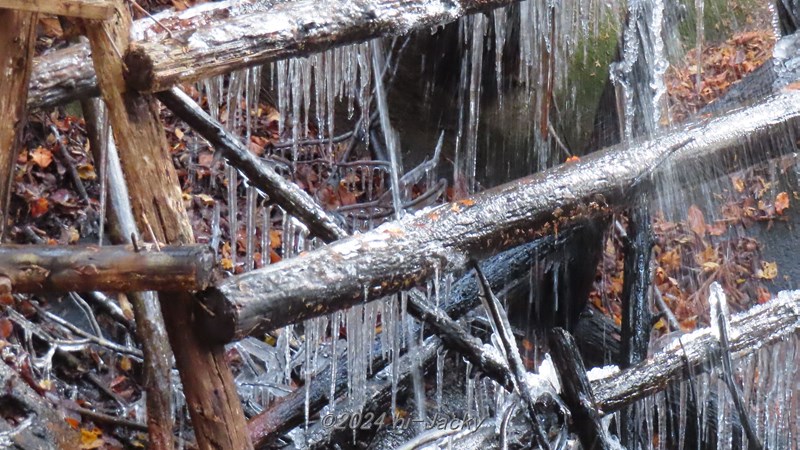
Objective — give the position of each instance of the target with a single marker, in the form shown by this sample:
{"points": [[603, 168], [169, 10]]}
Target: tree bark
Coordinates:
{"points": [[157, 204], [88, 9], [578, 391], [406, 253], [17, 42], [695, 353], [47, 268], [150, 328]]}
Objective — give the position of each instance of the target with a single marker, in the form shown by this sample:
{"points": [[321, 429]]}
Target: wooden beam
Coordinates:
{"points": [[47, 268], [87, 9], [153, 185], [407, 253], [17, 42]]}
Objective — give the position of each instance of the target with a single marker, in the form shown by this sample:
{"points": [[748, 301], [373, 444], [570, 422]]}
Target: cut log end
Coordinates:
{"points": [[215, 316], [139, 75]]}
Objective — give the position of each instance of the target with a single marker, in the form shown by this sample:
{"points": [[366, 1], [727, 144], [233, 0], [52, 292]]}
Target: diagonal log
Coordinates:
{"points": [[286, 194], [48, 268], [695, 353], [208, 40], [408, 252]]}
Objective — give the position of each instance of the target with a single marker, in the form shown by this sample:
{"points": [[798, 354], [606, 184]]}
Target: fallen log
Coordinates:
{"points": [[696, 352], [406, 253], [206, 40], [46, 268]]}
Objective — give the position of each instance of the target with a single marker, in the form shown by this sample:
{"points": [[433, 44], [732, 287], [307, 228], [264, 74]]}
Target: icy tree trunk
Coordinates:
{"points": [[406, 253], [693, 353], [46, 429], [47, 268], [17, 39], [158, 208]]}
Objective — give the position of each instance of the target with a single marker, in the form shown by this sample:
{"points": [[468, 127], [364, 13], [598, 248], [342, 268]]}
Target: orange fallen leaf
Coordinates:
{"points": [[781, 202], [39, 207], [42, 157], [696, 221]]}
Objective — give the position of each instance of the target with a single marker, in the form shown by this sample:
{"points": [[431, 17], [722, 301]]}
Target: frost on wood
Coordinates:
{"points": [[287, 29], [760, 326], [406, 253]]}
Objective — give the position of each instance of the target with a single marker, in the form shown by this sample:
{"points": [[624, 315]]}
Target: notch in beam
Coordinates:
{"points": [[87, 9]]}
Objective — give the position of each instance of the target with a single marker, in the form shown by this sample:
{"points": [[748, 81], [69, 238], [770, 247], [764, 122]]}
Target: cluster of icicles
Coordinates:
{"points": [[312, 90]]}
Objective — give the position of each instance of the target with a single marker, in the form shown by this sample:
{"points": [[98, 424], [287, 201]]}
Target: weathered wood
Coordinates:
{"points": [[62, 76], [577, 391], [287, 29], [296, 29], [42, 427], [17, 39], [87, 9], [636, 315], [406, 253], [48, 268], [286, 194], [695, 353], [208, 385], [150, 328]]}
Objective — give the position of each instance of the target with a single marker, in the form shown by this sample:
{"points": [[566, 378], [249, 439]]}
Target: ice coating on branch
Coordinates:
{"points": [[719, 308], [598, 373]]}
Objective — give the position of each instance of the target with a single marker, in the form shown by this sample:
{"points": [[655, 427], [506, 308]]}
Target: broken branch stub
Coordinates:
{"points": [[406, 253]]}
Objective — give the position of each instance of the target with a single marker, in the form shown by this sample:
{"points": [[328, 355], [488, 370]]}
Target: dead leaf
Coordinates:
{"points": [[42, 157], [39, 207], [768, 271], [781, 202], [91, 438], [696, 221]]}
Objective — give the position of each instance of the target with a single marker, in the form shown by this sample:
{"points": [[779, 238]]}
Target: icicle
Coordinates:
{"points": [[392, 144], [475, 82], [500, 19], [440, 360], [252, 212], [216, 233], [233, 224], [266, 242]]}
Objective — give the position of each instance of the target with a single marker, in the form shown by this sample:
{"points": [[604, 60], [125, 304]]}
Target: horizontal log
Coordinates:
{"points": [[118, 268], [62, 76], [206, 40], [406, 253], [288, 29], [87, 9], [750, 331]]}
